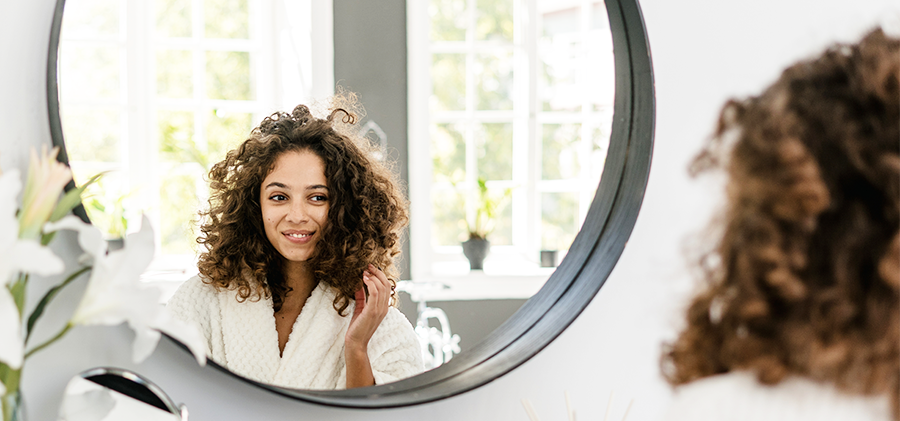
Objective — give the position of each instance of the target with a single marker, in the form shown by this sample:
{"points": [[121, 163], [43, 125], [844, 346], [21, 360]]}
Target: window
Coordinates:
{"points": [[511, 96], [154, 93]]}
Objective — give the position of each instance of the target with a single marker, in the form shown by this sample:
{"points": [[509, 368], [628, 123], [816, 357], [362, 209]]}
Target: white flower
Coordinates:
{"points": [[20, 255], [12, 345], [46, 179], [16, 255], [115, 294]]}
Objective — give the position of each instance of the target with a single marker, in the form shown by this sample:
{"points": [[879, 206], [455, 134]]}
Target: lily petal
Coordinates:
{"points": [[12, 346], [85, 400], [30, 256], [145, 340], [46, 179], [115, 294], [186, 334], [115, 304], [10, 185], [89, 237]]}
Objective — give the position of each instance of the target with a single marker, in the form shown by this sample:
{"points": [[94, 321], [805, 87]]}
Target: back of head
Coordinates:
{"points": [[805, 277]]}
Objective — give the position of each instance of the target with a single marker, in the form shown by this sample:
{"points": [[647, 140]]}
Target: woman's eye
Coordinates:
{"points": [[319, 198], [278, 197]]}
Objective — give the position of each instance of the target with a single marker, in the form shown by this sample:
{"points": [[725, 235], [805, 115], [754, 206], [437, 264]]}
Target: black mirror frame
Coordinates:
{"points": [[590, 260]]}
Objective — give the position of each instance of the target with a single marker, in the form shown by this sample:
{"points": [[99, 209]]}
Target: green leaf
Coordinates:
{"points": [[39, 310], [17, 289], [71, 199], [486, 210], [47, 238], [9, 377]]}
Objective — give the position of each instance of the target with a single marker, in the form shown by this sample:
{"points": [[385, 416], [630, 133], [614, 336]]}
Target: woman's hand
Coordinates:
{"points": [[367, 316]]}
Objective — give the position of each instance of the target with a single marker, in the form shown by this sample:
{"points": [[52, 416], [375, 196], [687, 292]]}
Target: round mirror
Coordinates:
{"points": [[608, 219]]}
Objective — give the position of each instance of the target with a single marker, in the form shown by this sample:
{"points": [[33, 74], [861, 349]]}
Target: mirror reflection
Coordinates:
{"points": [[113, 394], [302, 223], [510, 108]]}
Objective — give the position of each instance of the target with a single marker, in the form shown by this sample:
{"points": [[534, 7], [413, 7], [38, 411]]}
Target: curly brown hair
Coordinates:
{"points": [[805, 276], [366, 215]]}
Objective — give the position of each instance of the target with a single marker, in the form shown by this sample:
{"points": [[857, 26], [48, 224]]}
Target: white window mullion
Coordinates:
{"points": [[532, 196], [322, 48], [420, 163], [471, 182], [587, 122], [125, 42], [522, 79], [265, 78], [141, 142], [198, 63]]}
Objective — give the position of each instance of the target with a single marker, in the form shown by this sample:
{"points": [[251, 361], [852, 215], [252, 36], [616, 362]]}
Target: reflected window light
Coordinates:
{"points": [[520, 94], [153, 93]]}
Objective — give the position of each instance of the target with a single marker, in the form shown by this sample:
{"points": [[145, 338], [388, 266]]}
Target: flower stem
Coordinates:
{"points": [[49, 341]]}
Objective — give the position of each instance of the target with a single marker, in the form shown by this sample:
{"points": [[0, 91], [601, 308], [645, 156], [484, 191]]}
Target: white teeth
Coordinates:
{"points": [[298, 235]]}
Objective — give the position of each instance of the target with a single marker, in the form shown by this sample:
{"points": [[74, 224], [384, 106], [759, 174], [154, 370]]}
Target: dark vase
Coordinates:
{"points": [[476, 249]]}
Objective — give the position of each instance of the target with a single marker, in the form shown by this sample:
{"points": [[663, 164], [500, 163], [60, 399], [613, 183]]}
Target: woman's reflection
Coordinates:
{"points": [[296, 284]]}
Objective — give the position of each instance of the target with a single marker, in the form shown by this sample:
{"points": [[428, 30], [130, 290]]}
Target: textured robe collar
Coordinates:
{"points": [[313, 355]]}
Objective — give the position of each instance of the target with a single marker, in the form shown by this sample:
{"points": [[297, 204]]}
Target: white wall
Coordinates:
{"points": [[704, 51]]}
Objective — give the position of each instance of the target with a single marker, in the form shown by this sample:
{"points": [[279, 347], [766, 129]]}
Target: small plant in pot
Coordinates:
{"points": [[481, 223]]}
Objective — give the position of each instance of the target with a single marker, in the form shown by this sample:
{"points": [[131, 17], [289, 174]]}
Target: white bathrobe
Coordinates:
{"points": [[738, 396], [242, 337]]}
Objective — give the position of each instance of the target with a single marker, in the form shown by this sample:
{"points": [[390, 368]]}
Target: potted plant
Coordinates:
{"points": [[481, 223]]}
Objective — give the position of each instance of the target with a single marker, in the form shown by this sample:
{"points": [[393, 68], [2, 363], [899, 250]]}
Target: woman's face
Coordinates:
{"points": [[294, 199]]}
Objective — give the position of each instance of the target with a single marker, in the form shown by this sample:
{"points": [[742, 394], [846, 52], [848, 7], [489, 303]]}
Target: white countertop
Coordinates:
{"points": [[461, 285]]}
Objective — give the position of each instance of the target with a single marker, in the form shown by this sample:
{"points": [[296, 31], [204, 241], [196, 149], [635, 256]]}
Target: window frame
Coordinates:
{"points": [[527, 120], [270, 34]]}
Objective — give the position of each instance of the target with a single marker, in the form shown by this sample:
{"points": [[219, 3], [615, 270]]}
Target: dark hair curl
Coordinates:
{"points": [[805, 277], [366, 214]]}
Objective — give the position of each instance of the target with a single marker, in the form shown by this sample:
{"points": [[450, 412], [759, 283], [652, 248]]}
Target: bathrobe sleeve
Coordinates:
{"points": [[395, 352], [194, 302]]}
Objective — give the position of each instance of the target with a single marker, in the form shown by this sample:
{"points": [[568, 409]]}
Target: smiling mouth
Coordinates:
{"points": [[298, 235]]}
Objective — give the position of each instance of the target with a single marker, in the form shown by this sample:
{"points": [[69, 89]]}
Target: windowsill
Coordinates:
{"points": [[167, 281], [508, 275], [498, 281]]}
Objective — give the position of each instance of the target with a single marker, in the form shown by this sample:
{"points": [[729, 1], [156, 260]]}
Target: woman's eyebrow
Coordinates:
{"points": [[277, 184], [317, 186]]}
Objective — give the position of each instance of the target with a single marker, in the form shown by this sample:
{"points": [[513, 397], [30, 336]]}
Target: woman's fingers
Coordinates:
{"points": [[370, 310], [375, 302], [379, 282]]}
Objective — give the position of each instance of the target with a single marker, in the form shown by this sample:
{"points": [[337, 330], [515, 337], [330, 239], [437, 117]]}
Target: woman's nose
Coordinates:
{"points": [[297, 213]]}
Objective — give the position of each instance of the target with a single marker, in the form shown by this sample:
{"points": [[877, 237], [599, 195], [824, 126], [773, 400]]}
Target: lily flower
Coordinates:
{"points": [[17, 256], [12, 345], [115, 294], [46, 179]]}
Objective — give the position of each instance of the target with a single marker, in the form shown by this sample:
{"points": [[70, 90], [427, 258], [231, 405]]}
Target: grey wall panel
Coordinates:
{"points": [[370, 59]]}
